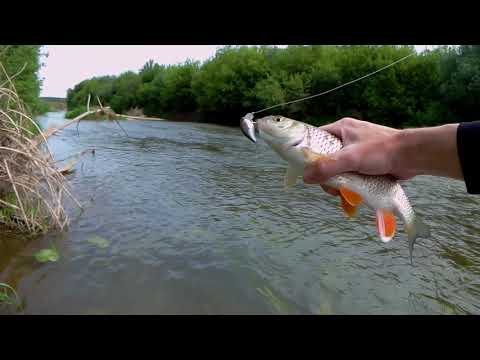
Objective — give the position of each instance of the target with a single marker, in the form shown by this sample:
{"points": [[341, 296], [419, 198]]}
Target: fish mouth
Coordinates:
{"points": [[296, 143]]}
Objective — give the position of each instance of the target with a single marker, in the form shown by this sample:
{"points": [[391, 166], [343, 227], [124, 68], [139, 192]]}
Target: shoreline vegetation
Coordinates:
{"points": [[33, 188], [430, 88], [55, 104]]}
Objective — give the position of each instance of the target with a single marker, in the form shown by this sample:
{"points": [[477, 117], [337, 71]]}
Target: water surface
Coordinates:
{"points": [[197, 222]]}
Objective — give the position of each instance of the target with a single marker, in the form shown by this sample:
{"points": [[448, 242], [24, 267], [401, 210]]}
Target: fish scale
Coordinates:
{"points": [[321, 141]]}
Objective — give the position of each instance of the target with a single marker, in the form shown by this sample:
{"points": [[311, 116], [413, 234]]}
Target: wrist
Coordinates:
{"points": [[404, 151], [426, 151]]}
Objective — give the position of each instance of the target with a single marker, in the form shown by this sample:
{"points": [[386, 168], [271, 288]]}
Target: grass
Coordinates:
{"points": [[8, 295], [32, 189]]}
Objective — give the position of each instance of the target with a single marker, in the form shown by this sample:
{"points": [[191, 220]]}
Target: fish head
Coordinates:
{"points": [[283, 135], [281, 131]]}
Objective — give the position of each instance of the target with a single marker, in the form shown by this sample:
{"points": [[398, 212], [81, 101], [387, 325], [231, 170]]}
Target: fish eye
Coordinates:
{"points": [[279, 119]]}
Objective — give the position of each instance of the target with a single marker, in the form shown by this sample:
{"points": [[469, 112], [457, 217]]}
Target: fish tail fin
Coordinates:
{"points": [[416, 229]]}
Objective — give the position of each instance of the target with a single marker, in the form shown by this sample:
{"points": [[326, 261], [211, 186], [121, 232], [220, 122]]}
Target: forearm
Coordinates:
{"points": [[428, 151]]}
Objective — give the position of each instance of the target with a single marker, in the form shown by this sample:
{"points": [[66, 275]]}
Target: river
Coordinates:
{"points": [[196, 221]]}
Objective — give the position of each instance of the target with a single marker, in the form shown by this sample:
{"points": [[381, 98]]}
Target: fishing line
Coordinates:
{"points": [[335, 88]]}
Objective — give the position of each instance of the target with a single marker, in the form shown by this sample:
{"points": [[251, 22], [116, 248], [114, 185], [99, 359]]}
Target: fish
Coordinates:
{"points": [[300, 144]]}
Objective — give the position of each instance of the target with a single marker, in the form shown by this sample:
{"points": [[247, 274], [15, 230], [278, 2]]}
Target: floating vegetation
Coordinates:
{"points": [[47, 255], [99, 241]]}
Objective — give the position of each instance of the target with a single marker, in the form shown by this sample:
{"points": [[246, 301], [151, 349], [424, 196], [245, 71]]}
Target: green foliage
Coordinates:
{"points": [[97, 86], [54, 104], [226, 83], [6, 211], [124, 90], [269, 91], [75, 112], [177, 94], [460, 91], [47, 255], [99, 241], [430, 88], [8, 295], [43, 107], [22, 63]]}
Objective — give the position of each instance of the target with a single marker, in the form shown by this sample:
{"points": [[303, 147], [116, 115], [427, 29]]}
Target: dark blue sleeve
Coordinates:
{"points": [[468, 143]]}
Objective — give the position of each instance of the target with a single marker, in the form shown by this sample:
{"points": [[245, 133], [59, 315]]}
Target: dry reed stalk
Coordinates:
{"points": [[32, 188]]}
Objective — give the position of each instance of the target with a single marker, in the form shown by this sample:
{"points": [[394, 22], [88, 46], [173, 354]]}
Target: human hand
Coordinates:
{"points": [[369, 149]]}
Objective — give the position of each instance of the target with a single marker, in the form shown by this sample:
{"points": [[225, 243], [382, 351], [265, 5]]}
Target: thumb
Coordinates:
{"points": [[321, 171]]}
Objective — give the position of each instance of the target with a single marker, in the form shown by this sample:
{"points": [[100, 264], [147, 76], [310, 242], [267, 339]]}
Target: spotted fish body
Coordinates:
{"points": [[299, 144]]}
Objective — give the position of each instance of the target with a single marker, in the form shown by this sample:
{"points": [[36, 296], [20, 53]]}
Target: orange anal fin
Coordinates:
{"points": [[386, 225], [350, 210], [351, 197]]}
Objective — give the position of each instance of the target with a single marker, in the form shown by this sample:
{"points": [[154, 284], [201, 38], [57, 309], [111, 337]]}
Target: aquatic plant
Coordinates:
{"points": [[99, 241], [8, 295], [46, 255]]}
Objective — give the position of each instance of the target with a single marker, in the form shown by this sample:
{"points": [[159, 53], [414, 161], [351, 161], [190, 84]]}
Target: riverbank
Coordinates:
{"points": [[32, 188], [55, 104]]}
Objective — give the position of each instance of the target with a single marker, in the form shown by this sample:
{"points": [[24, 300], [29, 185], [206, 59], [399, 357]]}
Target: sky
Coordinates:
{"points": [[67, 65]]}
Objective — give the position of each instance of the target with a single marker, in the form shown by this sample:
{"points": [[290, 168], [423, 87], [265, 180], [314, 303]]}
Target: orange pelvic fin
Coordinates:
{"points": [[311, 156], [386, 225], [349, 209], [350, 196]]}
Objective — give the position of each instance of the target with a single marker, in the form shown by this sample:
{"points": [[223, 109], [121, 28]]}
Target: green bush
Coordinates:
{"points": [[75, 112], [22, 63], [433, 87]]}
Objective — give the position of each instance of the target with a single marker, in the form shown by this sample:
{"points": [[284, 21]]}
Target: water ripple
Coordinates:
{"points": [[198, 222]]}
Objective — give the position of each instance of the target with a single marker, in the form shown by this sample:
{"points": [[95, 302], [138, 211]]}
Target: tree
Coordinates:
{"points": [[428, 88], [177, 94], [22, 62], [124, 91], [226, 83]]}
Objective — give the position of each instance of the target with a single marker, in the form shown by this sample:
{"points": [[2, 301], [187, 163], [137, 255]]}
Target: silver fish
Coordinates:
{"points": [[299, 144]]}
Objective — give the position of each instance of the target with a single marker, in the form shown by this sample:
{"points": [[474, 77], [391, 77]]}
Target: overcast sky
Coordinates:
{"points": [[67, 65]]}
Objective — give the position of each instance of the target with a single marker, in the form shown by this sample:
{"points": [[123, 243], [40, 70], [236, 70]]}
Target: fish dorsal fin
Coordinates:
{"points": [[291, 176], [350, 196], [386, 225], [349, 209]]}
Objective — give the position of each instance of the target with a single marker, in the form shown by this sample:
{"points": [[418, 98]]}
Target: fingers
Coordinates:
{"points": [[333, 128], [338, 126]]}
